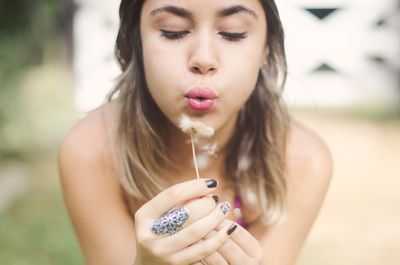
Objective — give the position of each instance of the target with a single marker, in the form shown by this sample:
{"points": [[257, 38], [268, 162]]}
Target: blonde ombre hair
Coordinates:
{"points": [[255, 155]]}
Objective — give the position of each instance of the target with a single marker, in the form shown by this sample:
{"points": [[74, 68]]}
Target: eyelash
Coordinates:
{"points": [[175, 35]]}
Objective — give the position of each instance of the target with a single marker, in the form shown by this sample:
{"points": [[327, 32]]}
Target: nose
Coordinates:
{"points": [[203, 58]]}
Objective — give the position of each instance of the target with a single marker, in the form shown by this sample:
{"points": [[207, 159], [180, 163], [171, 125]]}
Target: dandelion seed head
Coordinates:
{"points": [[196, 127]]}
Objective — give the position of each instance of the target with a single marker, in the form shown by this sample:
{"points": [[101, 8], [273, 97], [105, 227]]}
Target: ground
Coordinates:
{"points": [[359, 222]]}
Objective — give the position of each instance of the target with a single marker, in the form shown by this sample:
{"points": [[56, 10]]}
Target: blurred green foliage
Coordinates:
{"points": [[31, 76], [36, 229], [35, 112], [26, 28]]}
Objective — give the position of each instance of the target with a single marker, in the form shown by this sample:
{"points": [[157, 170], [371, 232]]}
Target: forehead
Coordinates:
{"points": [[192, 9]]}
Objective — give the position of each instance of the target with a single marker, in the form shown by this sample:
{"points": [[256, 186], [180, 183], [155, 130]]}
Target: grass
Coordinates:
{"points": [[36, 229]]}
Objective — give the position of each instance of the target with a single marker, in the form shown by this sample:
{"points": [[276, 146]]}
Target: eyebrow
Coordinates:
{"points": [[236, 9], [184, 13]]}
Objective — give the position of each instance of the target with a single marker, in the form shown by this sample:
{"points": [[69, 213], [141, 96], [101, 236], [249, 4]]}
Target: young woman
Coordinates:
{"points": [[126, 168]]}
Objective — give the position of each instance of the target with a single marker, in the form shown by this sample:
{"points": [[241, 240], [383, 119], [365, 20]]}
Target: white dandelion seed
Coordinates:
{"points": [[210, 148], [244, 163], [203, 160], [195, 129]]}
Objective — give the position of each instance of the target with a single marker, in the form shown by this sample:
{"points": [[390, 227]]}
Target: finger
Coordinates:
{"points": [[199, 263], [202, 249], [174, 195], [234, 254], [245, 241], [197, 230], [197, 209], [230, 250], [216, 259]]}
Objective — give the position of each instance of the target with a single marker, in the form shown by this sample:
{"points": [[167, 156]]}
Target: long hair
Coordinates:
{"points": [[255, 159]]}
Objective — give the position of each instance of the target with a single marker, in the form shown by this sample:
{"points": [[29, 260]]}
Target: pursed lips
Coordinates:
{"points": [[201, 98]]}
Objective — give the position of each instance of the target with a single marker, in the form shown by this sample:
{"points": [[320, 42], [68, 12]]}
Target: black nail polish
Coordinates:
{"points": [[211, 183], [231, 229], [216, 198]]}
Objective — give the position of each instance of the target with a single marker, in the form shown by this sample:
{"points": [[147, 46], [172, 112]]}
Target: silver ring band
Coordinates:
{"points": [[171, 222]]}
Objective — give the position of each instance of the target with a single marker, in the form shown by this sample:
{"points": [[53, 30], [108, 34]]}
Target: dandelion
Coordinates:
{"points": [[195, 129]]}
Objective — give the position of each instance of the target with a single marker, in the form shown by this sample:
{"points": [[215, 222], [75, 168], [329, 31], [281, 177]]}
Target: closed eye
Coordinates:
{"points": [[233, 36], [175, 35]]}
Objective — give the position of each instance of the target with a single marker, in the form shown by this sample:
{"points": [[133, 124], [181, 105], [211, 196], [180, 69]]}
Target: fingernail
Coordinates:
{"points": [[216, 199], [225, 207], [211, 183], [231, 229]]}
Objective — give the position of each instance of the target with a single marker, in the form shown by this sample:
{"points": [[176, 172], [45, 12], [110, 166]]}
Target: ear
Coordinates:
{"points": [[264, 56]]}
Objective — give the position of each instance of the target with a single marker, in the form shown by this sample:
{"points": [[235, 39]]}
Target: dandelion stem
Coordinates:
{"points": [[194, 156]]}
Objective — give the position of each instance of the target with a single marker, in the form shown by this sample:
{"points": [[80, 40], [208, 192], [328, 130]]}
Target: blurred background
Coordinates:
{"points": [[56, 63]]}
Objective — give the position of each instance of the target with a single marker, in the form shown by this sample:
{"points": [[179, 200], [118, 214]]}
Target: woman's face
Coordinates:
{"points": [[202, 58]]}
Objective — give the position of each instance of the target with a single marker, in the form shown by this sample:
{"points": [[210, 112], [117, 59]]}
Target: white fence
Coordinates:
{"points": [[340, 52]]}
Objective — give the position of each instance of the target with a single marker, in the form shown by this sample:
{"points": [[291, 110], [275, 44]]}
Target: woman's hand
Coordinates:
{"points": [[241, 248], [186, 246]]}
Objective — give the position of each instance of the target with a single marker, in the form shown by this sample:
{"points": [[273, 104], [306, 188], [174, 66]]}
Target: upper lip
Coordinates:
{"points": [[201, 92]]}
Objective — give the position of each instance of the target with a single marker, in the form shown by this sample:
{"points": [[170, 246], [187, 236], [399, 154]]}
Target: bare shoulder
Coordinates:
{"points": [[84, 153], [308, 158], [92, 134], [92, 192], [309, 170]]}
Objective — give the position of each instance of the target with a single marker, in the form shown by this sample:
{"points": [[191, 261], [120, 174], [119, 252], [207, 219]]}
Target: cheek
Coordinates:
{"points": [[244, 87], [161, 67], [245, 67], [244, 75]]}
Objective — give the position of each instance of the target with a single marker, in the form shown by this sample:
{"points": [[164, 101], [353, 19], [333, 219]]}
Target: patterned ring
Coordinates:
{"points": [[171, 222]]}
